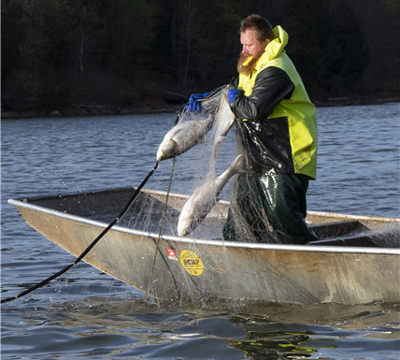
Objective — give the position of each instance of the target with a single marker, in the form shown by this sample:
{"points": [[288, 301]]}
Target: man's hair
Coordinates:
{"points": [[260, 24]]}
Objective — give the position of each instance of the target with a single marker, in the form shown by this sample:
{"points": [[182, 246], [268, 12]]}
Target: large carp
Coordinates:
{"points": [[205, 197], [183, 137], [189, 133]]}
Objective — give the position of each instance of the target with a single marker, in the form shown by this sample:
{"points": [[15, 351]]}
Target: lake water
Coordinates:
{"points": [[88, 315]]}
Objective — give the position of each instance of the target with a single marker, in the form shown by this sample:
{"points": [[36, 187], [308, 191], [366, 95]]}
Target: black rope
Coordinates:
{"points": [[90, 247]]}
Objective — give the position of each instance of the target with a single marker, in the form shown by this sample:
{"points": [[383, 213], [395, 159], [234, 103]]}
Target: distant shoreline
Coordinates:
{"points": [[109, 110], [89, 110]]}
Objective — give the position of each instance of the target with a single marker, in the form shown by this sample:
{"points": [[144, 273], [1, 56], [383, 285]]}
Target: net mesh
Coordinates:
{"points": [[201, 164], [247, 221]]}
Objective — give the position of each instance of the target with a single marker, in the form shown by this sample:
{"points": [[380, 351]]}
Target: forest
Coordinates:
{"points": [[61, 55]]}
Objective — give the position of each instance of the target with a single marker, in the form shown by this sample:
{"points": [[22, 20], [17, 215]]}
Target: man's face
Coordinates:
{"points": [[251, 52], [251, 46]]}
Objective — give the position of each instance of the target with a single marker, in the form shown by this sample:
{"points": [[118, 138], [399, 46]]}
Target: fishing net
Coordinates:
{"points": [[205, 158], [207, 170], [221, 167], [387, 236]]}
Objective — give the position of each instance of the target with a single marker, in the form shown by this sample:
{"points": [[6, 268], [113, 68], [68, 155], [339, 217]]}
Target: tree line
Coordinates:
{"points": [[57, 53]]}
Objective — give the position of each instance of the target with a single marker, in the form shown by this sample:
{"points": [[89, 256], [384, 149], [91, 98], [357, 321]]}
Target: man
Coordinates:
{"points": [[277, 132]]}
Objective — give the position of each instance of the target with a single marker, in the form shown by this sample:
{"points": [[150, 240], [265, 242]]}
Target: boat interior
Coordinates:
{"points": [[330, 228]]}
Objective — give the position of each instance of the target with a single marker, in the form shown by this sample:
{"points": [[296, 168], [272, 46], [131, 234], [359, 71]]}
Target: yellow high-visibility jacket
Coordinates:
{"points": [[279, 127]]}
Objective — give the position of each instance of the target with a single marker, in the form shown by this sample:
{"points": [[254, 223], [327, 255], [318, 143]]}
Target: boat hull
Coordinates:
{"points": [[172, 268]]}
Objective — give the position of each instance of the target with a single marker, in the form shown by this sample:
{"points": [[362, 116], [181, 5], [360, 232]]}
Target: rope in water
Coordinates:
{"points": [[94, 242]]}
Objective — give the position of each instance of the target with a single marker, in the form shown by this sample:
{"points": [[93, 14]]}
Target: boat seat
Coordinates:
{"points": [[338, 229]]}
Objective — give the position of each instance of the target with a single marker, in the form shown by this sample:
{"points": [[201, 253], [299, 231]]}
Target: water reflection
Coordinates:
{"points": [[131, 328]]}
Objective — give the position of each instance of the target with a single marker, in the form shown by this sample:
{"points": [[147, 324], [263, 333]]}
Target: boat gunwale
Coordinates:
{"points": [[221, 243]]}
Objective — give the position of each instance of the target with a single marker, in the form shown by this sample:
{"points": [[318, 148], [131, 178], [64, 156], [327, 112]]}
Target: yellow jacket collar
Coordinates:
{"points": [[274, 48]]}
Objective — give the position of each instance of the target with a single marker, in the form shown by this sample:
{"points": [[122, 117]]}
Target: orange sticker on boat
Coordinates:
{"points": [[191, 262]]}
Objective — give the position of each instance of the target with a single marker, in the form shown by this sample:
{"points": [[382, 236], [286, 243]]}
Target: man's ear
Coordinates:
{"points": [[265, 43]]}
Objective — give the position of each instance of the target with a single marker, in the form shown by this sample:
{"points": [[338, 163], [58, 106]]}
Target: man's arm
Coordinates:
{"points": [[271, 86]]}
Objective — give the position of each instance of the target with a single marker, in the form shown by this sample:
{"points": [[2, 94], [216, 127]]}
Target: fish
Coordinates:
{"points": [[205, 197], [224, 119], [183, 137], [186, 134]]}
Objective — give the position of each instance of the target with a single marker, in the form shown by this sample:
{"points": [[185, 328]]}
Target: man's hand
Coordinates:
{"points": [[193, 104], [232, 94]]}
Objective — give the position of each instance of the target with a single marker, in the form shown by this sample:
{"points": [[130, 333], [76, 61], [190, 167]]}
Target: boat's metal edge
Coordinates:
{"points": [[354, 217], [220, 243]]}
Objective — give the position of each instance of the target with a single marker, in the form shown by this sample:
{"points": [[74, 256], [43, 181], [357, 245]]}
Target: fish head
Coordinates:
{"points": [[167, 150], [184, 227]]}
